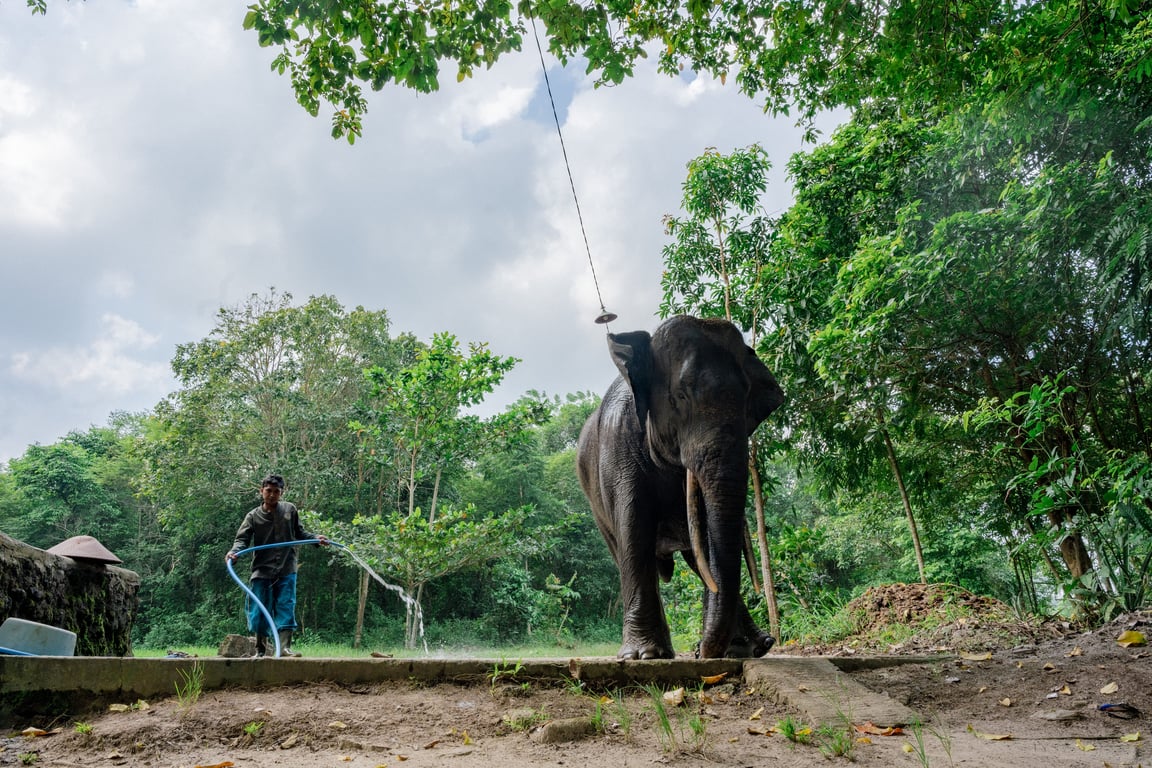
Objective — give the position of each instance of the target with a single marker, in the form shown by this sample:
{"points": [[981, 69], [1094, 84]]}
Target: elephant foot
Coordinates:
{"points": [[745, 647], [750, 647], [633, 652]]}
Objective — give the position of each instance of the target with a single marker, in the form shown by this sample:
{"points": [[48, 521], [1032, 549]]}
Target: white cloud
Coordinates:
{"points": [[107, 365]]}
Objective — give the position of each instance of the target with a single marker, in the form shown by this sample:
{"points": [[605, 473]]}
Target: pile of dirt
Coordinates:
{"points": [[930, 618]]}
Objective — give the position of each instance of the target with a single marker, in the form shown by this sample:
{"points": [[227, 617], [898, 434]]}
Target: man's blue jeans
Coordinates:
{"points": [[279, 597]]}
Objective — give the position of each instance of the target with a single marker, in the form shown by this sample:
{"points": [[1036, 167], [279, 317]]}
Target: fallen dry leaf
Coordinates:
{"points": [[29, 733], [802, 688], [337, 725], [118, 707], [225, 764], [1084, 747], [467, 739], [674, 698], [1019, 665], [1075, 652], [759, 730], [989, 736], [982, 689], [432, 744], [1130, 638], [1005, 702], [908, 748], [756, 715], [863, 740], [1110, 688], [346, 758], [876, 730], [1065, 691], [1048, 667], [713, 679], [976, 656], [1130, 737]]}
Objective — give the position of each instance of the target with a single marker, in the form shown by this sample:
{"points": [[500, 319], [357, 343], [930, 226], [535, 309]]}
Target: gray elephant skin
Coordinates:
{"points": [[664, 463]]}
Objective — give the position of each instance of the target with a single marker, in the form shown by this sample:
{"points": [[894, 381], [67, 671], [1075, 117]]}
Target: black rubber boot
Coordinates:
{"points": [[286, 645], [261, 646]]}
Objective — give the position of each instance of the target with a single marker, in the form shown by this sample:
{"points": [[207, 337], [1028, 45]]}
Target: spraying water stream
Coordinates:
{"points": [[412, 606]]}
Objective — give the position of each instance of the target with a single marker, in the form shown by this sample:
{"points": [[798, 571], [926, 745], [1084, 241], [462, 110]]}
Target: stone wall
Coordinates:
{"points": [[96, 601]]}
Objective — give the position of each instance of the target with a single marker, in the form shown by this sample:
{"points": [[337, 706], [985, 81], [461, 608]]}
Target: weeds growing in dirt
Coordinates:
{"points": [[794, 730], [189, 693], [82, 728], [253, 728], [523, 720], [919, 745], [835, 741], [27, 758], [623, 716], [688, 733], [573, 686], [504, 671]]}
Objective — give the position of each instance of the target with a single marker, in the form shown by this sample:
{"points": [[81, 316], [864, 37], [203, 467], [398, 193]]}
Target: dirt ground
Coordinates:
{"points": [[1006, 694]]}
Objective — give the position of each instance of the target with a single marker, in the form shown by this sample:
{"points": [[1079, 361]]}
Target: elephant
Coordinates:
{"points": [[663, 461]]}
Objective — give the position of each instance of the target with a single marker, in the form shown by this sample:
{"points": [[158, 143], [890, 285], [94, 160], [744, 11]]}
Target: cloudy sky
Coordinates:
{"points": [[153, 169]]}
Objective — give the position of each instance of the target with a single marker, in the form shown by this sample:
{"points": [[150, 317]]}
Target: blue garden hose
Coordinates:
{"points": [[252, 595], [14, 652]]}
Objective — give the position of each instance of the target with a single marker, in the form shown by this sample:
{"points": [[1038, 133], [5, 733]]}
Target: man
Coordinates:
{"points": [[274, 569]]}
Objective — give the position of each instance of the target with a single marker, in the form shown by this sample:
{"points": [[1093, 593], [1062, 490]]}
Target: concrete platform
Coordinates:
{"points": [[819, 687]]}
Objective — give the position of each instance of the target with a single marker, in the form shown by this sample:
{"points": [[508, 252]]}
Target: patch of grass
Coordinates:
{"points": [[82, 728], [681, 728], [835, 741], [193, 686], [446, 650], [27, 758], [253, 728], [622, 714], [664, 730], [794, 730], [504, 671], [525, 720]]}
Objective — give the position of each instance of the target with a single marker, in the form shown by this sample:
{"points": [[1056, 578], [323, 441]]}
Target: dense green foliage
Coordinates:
{"points": [[958, 305]]}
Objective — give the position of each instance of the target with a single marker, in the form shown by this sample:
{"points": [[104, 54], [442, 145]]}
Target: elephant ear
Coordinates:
{"points": [[764, 394], [632, 354]]}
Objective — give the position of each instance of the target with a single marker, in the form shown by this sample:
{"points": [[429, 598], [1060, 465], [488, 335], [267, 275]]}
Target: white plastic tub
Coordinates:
{"points": [[28, 638]]}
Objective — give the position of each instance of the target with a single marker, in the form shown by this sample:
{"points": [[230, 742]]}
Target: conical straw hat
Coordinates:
{"points": [[84, 548]]}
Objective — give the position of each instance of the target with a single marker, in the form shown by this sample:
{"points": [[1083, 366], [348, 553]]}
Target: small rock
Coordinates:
{"points": [[237, 647], [1058, 715], [570, 729]]}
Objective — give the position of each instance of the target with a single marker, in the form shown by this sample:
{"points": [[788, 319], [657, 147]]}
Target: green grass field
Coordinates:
{"points": [[338, 651]]}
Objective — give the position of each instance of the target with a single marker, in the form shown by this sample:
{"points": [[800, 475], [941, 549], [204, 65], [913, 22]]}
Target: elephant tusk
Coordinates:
{"points": [[695, 537], [750, 558]]}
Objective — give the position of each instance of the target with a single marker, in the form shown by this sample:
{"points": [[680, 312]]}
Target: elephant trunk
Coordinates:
{"points": [[724, 503]]}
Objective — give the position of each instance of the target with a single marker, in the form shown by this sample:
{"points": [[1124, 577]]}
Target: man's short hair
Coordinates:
{"points": [[275, 480]]}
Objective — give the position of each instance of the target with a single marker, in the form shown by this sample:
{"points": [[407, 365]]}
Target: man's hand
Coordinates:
{"points": [[322, 540], [229, 558]]}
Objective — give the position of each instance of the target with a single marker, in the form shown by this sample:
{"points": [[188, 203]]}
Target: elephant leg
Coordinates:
{"points": [[646, 633], [748, 641]]}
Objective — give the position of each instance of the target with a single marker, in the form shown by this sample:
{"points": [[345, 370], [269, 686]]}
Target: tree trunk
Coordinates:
{"points": [[767, 578], [361, 604], [907, 504]]}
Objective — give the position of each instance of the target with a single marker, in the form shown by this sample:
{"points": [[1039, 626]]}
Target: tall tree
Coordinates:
{"points": [[712, 267], [271, 388], [421, 427]]}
